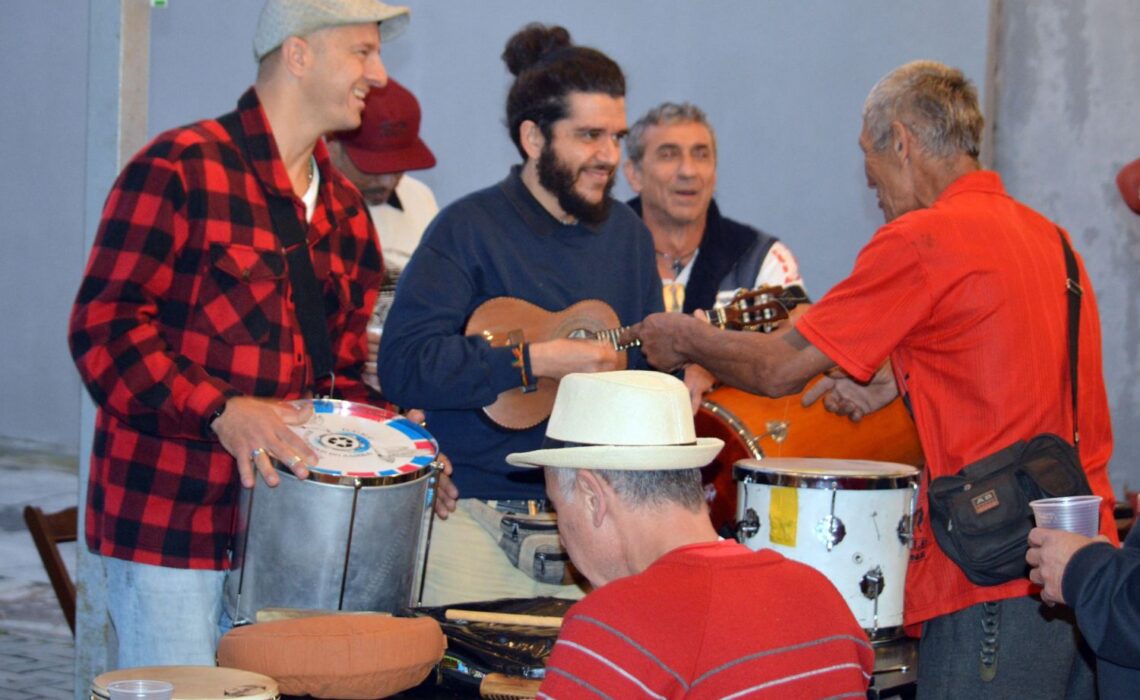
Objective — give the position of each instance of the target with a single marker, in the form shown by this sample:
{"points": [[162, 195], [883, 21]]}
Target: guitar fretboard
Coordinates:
{"points": [[613, 337]]}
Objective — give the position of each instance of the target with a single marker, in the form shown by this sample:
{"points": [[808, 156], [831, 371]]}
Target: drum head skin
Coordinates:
{"points": [[805, 472], [357, 441], [195, 682]]}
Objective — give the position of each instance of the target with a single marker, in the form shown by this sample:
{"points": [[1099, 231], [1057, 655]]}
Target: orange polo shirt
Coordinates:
{"points": [[967, 299]]}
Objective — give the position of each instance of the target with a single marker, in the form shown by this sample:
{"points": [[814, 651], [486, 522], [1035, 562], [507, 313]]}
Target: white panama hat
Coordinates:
{"points": [[632, 419]]}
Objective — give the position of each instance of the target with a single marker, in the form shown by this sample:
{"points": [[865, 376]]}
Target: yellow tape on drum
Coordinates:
{"points": [[783, 514]]}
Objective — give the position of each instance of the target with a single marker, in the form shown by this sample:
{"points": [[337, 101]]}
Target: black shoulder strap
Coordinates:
{"points": [[1074, 293], [307, 297]]}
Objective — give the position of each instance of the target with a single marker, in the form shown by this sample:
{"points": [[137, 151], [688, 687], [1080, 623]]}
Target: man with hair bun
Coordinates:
{"points": [[959, 302], [551, 235]]}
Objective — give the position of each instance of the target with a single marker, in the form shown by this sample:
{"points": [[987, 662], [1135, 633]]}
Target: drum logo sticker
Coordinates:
{"points": [[783, 514], [344, 443], [985, 501]]}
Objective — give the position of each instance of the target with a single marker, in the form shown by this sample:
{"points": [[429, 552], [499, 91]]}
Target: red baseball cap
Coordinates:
{"points": [[388, 139], [1128, 180]]}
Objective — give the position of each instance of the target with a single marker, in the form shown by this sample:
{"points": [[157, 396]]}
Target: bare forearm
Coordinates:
{"points": [[773, 365], [755, 362]]}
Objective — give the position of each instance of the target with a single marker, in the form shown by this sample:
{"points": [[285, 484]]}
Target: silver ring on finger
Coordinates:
{"points": [[257, 453], [293, 462]]}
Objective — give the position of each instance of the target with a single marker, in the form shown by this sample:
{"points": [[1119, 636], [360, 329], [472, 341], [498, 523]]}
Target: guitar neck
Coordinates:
{"points": [[613, 337], [759, 309]]}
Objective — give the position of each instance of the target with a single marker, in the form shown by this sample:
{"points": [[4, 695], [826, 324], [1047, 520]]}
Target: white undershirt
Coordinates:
{"points": [[310, 196]]}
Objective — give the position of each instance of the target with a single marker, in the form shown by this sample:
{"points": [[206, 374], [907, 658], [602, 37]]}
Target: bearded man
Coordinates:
{"points": [[549, 234]]}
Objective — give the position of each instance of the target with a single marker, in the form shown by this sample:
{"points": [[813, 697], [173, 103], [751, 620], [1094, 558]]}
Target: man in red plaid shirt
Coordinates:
{"points": [[185, 328]]}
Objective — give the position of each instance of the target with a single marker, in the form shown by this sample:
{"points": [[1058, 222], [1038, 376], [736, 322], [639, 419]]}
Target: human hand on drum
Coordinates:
{"points": [[256, 431], [446, 492], [845, 396]]}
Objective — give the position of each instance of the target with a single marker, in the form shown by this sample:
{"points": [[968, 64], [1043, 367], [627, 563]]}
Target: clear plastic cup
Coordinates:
{"points": [[140, 690], [1079, 514]]}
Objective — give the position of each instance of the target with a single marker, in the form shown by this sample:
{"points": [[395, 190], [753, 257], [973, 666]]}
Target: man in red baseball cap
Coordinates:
{"points": [[376, 157]]}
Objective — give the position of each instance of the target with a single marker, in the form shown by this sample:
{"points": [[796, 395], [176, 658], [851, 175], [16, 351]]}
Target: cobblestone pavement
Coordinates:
{"points": [[36, 647]]}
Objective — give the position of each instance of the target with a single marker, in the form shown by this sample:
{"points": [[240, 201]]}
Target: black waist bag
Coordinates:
{"points": [[981, 516]]}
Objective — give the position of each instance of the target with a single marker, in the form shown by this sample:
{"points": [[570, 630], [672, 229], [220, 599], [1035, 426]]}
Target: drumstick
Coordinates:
{"points": [[455, 614], [500, 686]]}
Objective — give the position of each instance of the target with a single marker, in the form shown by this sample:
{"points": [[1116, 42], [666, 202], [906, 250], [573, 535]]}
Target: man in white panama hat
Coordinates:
{"points": [[675, 609]]}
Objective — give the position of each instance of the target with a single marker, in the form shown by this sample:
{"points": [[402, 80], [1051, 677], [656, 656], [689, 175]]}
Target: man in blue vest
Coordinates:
{"points": [[704, 259]]}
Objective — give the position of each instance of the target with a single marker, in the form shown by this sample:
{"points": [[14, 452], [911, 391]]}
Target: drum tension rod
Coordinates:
{"points": [[777, 430]]}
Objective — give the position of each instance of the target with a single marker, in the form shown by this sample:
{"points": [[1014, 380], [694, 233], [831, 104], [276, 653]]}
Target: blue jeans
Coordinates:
{"points": [[164, 616]]}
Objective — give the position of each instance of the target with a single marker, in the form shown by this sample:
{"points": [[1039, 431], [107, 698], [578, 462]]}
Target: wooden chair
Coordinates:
{"points": [[48, 531]]}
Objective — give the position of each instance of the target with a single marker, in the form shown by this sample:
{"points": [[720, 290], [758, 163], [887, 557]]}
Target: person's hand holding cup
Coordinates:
{"points": [[1064, 525]]}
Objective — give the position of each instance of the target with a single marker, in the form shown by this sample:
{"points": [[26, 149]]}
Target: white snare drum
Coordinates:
{"points": [[849, 519], [350, 537], [194, 682]]}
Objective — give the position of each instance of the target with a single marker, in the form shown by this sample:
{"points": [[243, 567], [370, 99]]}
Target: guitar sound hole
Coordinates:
{"points": [[581, 334]]}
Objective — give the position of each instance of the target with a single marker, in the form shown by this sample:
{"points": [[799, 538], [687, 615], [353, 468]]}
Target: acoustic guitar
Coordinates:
{"points": [[507, 321]]}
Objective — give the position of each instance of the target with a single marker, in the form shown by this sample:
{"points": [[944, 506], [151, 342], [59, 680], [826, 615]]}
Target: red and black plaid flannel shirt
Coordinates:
{"points": [[186, 302]]}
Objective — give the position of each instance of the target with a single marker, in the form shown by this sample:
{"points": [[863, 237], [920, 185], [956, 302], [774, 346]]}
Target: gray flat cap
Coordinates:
{"points": [[281, 19]]}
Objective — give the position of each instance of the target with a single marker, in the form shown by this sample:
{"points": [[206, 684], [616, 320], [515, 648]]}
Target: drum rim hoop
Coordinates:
{"points": [[345, 407], [737, 426], [844, 482], [363, 481]]}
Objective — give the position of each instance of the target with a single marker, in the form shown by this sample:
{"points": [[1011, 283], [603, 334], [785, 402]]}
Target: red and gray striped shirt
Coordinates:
{"points": [[713, 620]]}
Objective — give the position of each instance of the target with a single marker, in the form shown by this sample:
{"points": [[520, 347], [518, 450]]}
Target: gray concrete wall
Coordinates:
{"points": [[1068, 118], [42, 149], [782, 82]]}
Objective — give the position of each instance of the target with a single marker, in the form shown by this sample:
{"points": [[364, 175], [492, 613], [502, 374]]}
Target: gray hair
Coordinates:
{"points": [[641, 488], [664, 113], [936, 102]]}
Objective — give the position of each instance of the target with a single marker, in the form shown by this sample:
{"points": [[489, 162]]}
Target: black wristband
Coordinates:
{"points": [[217, 414]]}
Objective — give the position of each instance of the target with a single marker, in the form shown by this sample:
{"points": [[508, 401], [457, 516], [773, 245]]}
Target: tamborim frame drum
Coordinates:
{"points": [[351, 536], [194, 682], [851, 520]]}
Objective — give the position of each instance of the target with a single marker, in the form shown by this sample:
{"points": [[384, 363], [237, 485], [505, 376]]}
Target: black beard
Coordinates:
{"points": [[559, 179]]}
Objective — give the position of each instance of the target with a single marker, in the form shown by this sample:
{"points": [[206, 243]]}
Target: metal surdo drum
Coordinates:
{"points": [[194, 682], [351, 536], [850, 519]]}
